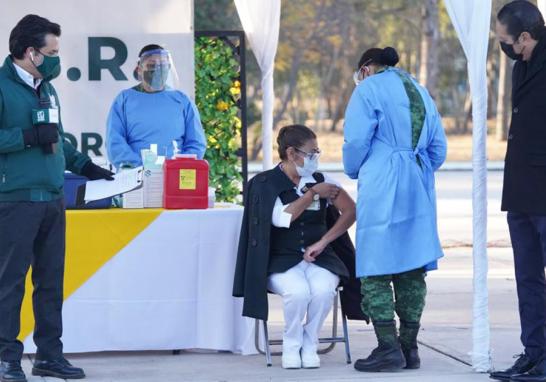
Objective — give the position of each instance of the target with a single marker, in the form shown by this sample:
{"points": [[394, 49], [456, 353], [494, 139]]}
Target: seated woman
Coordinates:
{"points": [[285, 247]]}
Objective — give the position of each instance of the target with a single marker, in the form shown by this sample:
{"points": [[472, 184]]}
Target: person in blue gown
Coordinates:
{"points": [[394, 142], [153, 112]]}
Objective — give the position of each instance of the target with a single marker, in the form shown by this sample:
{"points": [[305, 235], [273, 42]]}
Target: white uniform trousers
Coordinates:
{"points": [[306, 289]]}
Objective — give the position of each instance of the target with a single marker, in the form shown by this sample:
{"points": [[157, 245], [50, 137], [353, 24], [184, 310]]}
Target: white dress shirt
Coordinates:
{"points": [[27, 77]]}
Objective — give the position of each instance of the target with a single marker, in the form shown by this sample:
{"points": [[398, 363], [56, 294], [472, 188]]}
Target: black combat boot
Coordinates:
{"points": [[388, 355], [408, 341]]}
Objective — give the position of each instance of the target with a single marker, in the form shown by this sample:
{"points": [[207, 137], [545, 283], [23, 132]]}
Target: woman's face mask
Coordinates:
{"points": [[357, 78], [310, 162], [361, 74]]}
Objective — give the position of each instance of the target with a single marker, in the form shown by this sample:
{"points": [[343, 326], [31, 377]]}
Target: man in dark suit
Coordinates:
{"points": [[522, 35]]}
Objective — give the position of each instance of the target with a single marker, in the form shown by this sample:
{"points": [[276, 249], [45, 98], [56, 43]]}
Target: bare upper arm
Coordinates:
{"points": [[344, 203]]}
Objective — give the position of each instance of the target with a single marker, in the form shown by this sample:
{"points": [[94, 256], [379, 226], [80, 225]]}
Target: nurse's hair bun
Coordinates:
{"points": [[389, 56], [377, 56]]}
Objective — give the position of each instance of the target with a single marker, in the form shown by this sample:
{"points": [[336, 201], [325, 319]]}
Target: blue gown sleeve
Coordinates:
{"points": [[360, 125], [117, 147], [437, 148], [194, 141]]}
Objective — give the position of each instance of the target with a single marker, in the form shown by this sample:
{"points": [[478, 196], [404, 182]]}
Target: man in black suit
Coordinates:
{"points": [[522, 35]]}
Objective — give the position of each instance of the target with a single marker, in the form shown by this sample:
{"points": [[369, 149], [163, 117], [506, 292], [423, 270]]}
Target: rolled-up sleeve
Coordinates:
{"points": [[280, 217], [329, 179]]}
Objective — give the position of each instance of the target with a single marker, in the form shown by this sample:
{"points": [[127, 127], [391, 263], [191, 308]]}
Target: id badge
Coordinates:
{"points": [[314, 206]]}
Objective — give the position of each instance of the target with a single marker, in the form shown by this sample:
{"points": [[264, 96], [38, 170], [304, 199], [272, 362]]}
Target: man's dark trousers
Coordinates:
{"points": [[32, 233], [528, 234]]}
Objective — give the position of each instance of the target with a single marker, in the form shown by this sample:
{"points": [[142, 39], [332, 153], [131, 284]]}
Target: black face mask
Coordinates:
{"points": [[508, 49]]}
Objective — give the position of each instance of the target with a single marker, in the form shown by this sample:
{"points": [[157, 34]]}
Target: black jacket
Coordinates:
{"points": [[524, 187], [253, 255]]}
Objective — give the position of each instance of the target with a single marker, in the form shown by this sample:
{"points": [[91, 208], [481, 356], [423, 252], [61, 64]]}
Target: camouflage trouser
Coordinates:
{"points": [[408, 301]]}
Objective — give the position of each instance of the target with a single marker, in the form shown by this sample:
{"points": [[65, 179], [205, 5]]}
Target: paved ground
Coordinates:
{"points": [[446, 336]]}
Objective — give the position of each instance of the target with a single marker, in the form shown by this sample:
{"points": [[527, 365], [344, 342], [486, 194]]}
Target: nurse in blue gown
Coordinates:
{"points": [[153, 112], [394, 142]]}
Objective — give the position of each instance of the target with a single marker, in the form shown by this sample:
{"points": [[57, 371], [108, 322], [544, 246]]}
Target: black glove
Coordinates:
{"points": [[94, 172], [41, 135]]}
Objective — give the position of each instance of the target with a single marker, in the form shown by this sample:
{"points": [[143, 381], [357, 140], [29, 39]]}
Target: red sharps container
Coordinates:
{"points": [[186, 183]]}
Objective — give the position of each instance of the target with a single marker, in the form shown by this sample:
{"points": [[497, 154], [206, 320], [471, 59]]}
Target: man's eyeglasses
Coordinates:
{"points": [[315, 154]]}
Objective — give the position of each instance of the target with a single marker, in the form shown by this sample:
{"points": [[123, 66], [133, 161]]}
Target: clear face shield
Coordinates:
{"points": [[156, 71]]}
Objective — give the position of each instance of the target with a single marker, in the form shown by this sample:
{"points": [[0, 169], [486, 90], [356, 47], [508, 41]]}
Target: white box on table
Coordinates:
{"points": [[153, 188]]}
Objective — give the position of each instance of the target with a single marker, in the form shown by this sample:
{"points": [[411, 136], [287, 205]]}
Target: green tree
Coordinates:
{"points": [[217, 92]]}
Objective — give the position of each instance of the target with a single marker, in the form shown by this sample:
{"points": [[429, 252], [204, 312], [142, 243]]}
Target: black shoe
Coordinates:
{"points": [[412, 358], [382, 359], [60, 368], [12, 372], [536, 374], [522, 365]]}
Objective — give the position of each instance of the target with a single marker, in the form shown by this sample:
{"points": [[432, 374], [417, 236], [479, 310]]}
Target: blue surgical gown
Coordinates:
{"points": [[396, 207], [138, 119]]}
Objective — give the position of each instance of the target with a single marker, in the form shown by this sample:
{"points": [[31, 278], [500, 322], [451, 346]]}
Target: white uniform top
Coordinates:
{"points": [[280, 217]]}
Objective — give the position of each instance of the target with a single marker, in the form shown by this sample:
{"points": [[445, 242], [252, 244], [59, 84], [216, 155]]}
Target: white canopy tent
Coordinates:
{"points": [[261, 21], [471, 19]]}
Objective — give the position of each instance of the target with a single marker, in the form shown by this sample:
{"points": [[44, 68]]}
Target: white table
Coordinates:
{"points": [[169, 287]]}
